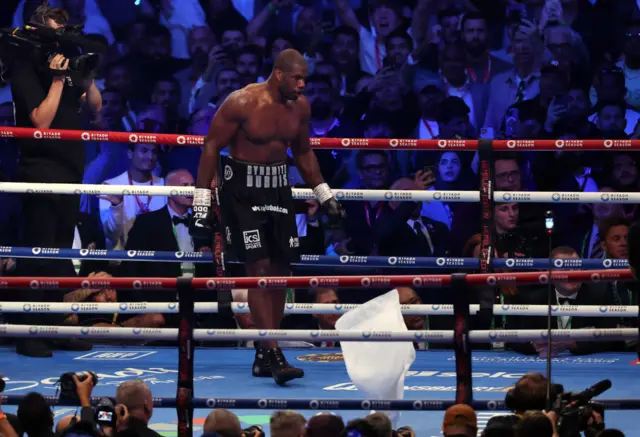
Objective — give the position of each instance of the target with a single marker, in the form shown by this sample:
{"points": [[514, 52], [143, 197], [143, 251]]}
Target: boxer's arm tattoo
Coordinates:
{"points": [[224, 126], [303, 155]]}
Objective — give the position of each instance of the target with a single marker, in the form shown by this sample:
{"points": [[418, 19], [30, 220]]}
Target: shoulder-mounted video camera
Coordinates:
{"points": [[40, 43], [575, 410]]}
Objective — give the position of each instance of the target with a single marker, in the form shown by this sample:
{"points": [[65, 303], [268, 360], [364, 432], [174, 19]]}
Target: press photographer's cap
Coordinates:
{"points": [[460, 415]]}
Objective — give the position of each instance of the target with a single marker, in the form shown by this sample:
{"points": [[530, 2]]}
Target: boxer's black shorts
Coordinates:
{"points": [[258, 216]]}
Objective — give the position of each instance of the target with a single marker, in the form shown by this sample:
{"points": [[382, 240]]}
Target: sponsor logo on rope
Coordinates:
{"points": [[26, 308], [75, 307], [506, 197], [124, 307], [559, 144], [603, 309], [511, 144], [492, 405], [595, 277], [211, 403], [262, 403], [133, 138], [314, 404], [345, 142], [172, 306], [313, 282], [510, 262], [241, 305], [137, 285], [137, 331], [606, 263], [366, 334], [604, 197], [36, 250], [491, 280], [558, 263], [365, 282], [417, 282], [442, 143], [419, 335], [181, 139], [392, 260], [34, 284], [555, 197], [314, 334], [437, 195], [440, 262], [84, 136], [365, 405], [543, 279], [388, 195], [393, 143]]}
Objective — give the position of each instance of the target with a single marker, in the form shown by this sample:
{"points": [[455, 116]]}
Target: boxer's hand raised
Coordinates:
{"points": [[200, 227], [330, 205]]}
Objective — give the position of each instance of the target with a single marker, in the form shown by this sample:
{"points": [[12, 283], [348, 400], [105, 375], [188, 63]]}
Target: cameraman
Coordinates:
{"points": [[45, 97], [530, 394]]}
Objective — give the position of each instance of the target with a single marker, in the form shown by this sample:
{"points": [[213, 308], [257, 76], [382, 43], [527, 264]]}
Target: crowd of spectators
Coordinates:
{"points": [[445, 69], [129, 414]]}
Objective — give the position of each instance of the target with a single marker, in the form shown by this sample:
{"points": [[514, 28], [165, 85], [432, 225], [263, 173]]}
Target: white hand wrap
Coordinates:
{"points": [[202, 197], [322, 193]]}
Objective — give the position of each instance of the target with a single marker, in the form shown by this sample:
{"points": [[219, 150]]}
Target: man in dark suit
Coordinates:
{"points": [[164, 230], [413, 235], [371, 222], [565, 293]]}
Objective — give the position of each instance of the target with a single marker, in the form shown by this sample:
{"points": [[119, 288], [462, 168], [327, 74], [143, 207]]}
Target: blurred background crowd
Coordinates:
{"points": [[426, 69]]}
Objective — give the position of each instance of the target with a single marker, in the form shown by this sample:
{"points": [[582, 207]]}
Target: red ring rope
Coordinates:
{"points": [[427, 281], [324, 143]]}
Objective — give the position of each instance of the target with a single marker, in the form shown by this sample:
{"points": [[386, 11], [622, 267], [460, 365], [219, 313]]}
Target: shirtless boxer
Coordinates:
{"points": [[259, 123]]}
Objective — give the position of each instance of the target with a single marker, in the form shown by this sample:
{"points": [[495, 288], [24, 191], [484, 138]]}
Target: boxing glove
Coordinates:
{"points": [[332, 208], [200, 226]]}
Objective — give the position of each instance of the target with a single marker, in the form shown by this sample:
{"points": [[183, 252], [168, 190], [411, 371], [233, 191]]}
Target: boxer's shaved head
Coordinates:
{"points": [[288, 59], [290, 71]]}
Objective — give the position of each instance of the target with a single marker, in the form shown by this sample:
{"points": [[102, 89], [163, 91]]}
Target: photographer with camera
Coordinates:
{"points": [[78, 387], [51, 83], [573, 413]]}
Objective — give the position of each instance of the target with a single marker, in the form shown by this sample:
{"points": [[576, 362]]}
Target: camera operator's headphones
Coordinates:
{"points": [[513, 398]]}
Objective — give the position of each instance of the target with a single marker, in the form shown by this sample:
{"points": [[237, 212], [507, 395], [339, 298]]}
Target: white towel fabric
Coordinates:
{"points": [[378, 369]]}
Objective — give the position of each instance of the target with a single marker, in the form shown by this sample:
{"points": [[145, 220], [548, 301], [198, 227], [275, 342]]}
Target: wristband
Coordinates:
{"points": [[202, 197], [322, 192]]}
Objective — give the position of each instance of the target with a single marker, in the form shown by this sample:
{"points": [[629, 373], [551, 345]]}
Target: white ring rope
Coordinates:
{"points": [[564, 197], [346, 194], [316, 308], [516, 336], [298, 193]]}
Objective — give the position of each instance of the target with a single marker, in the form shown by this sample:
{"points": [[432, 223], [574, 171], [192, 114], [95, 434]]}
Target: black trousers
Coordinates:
{"points": [[49, 221]]}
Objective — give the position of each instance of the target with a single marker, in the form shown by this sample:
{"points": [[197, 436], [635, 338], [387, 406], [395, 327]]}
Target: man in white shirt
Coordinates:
{"points": [[118, 212], [385, 18]]}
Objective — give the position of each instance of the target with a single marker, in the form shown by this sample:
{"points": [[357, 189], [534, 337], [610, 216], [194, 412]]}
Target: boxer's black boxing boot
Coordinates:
{"points": [[281, 371], [261, 367]]}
